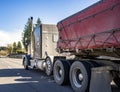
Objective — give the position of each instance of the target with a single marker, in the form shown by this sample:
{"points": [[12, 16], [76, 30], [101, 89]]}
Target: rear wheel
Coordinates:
{"points": [[80, 76], [61, 72], [48, 67]]}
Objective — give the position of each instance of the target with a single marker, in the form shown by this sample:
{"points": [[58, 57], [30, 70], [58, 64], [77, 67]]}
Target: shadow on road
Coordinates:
{"points": [[115, 88], [17, 80]]}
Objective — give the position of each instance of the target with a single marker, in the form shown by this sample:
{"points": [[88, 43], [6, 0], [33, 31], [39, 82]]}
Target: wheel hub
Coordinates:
{"points": [[80, 76], [77, 77], [48, 65], [60, 72]]}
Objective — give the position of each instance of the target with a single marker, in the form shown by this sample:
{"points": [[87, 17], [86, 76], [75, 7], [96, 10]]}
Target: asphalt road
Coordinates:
{"points": [[13, 78]]}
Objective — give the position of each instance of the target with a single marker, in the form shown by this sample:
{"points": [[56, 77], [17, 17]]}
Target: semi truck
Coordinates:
{"points": [[85, 51]]}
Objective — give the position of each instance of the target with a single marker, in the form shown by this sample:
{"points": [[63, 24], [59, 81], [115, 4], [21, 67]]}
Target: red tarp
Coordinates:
{"points": [[97, 26]]}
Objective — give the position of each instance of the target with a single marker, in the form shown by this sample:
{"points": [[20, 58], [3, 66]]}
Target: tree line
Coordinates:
{"points": [[15, 48], [26, 36]]}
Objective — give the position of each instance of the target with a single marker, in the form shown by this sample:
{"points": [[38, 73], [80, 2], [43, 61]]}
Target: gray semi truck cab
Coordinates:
{"points": [[43, 43]]}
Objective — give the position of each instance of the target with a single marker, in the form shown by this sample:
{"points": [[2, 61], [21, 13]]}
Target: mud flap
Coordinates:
{"points": [[100, 79]]}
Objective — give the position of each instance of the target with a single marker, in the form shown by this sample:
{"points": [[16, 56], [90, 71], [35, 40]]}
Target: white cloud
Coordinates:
{"points": [[10, 37]]}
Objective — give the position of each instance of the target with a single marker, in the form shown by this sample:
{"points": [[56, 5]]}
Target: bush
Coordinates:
{"points": [[3, 53], [20, 52]]}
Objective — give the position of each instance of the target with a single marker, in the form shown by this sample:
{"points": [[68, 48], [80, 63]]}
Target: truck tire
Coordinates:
{"points": [[117, 79], [26, 62], [61, 72], [80, 76], [48, 66]]}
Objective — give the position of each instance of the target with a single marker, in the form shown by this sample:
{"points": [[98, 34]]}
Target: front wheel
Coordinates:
{"points": [[48, 66], [25, 64], [79, 76]]}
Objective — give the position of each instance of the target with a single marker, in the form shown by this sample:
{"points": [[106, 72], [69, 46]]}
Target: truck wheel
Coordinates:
{"points": [[48, 66], [117, 80], [61, 72], [26, 61], [80, 76], [25, 64]]}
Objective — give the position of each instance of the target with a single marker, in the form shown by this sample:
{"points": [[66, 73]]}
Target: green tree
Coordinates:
{"points": [[14, 47], [9, 48], [19, 46], [38, 23], [26, 37], [3, 48]]}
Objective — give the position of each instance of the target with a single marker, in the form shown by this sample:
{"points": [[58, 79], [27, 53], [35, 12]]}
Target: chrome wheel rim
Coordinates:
{"points": [[77, 77], [48, 65], [58, 73]]}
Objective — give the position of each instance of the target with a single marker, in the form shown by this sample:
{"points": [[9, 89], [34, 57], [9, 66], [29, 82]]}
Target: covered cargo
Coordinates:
{"points": [[94, 28]]}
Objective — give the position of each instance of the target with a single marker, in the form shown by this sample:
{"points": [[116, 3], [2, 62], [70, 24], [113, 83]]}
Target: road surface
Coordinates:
{"points": [[13, 78]]}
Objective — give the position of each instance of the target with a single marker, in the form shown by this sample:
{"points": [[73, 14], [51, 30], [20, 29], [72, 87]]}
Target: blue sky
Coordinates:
{"points": [[14, 14]]}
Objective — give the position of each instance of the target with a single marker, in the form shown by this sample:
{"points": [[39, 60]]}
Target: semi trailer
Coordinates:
{"points": [[87, 51]]}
